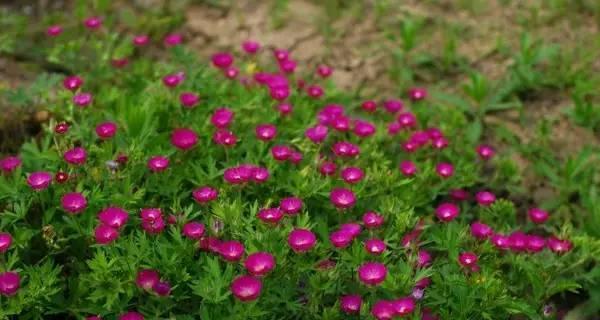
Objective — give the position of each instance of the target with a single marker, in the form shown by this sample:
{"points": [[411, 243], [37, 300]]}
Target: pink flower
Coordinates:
{"points": [[173, 39], [231, 250], [158, 163], [224, 137], [485, 152], [467, 259], [193, 230], [327, 168], [317, 134], [173, 80], [140, 40], [61, 177], [340, 123], [345, 149], [353, 228], [350, 304], [408, 168], [205, 194], [393, 105], [61, 127], [500, 241], [363, 128], [403, 306], [39, 180], [131, 315], [417, 94], [114, 217], [301, 240], [480, 230], [285, 108], [352, 175], [290, 205], [372, 273], [222, 118], [517, 241], [147, 278], [260, 174], [237, 175], [341, 239], [372, 219], [439, 143], [222, 60], [342, 198], [259, 264], [73, 202], [54, 31], [189, 99], [82, 99], [535, 243], [75, 156], [265, 132], [10, 282], [375, 246], [559, 246], [281, 54], [5, 241], [250, 47], [369, 106], [10, 164], [106, 130], [231, 72], [162, 288], [184, 139], [459, 194], [72, 83], [537, 215], [287, 66], [485, 198], [281, 152], [270, 215], [315, 91], [423, 259], [444, 170], [447, 212], [105, 234], [407, 120], [324, 71], [246, 288], [383, 310], [93, 23]]}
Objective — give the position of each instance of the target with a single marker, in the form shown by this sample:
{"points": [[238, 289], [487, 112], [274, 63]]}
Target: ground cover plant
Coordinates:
{"points": [[241, 188]]}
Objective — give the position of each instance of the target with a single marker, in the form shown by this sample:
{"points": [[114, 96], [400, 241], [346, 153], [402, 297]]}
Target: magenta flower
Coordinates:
{"points": [[105, 234], [291, 205], [324, 71], [444, 170], [184, 139], [317, 134], [315, 91], [423, 259], [342, 198], [61, 127], [383, 310], [372, 219], [372, 273], [93, 23], [407, 120], [341, 239], [222, 118], [260, 174], [327, 168], [246, 288], [375, 246], [54, 31], [439, 143], [447, 212], [537, 215], [205, 194], [459, 194], [353, 228], [407, 168], [535, 243], [222, 60], [106, 130], [393, 105], [559, 246], [345, 149], [193, 230], [5, 241], [287, 66], [369, 106], [517, 241], [224, 137], [363, 128], [10, 164], [173, 39], [281, 54], [417, 94], [39, 180], [75, 156], [485, 198], [131, 315], [154, 226], [61, 177], [113, 217], [403, 306], [231, 72], [140, 40], [480, 230], [82, 99], [301, 240], [485, 152], [259, 264], [296, 157], [265, 132], [147, 278], [10, 282], [231, 250], [270, 215], [250, 47], [172, 80], [281, 152], [352, 175], [467, 259], [73, 202], [162, 288], [350, 304], [285, 108], [158, 163], [340, 123], [189, 99], [500, 241], [72, 83]]}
